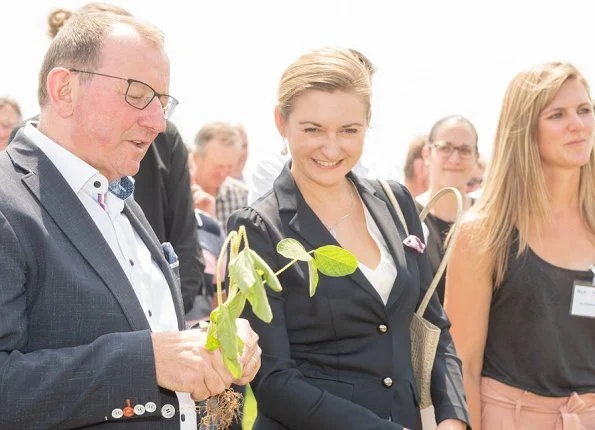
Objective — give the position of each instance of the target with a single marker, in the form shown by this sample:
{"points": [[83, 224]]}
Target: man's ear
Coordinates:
{"points": [[59, 85], [280, 122]]}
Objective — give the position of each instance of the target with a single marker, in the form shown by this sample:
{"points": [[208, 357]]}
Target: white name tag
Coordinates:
{"points": [[583, 300]]}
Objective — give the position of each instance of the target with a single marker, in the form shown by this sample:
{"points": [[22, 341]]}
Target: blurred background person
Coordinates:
{"points": [[416, 172], [216, 151], [451, 155], [162, 184], [10, 116], [519, 283], [238, 170], [476, 181]]}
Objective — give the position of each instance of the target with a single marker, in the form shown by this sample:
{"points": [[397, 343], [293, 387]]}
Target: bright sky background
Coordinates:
{"points": [[433, 58]]}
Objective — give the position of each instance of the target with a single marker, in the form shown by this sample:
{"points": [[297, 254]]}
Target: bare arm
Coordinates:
{"points": [[467, 304]]}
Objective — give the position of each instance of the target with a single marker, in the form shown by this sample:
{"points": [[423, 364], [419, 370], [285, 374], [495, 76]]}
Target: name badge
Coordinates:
{"points": [[583, 300]]}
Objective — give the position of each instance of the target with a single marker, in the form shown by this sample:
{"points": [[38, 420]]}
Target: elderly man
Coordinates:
{"points": [[90, 305], [217, 149]]}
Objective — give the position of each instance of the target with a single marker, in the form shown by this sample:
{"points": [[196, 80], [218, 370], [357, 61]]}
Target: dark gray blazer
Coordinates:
{"points": [[342, 359], [74, 341]]}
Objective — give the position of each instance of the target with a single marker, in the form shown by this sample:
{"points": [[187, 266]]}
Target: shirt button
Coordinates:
{"points": [[382, 328], [97, 184], [388, 382], [131, 262], [183, 417], [117, 413], [150, 313], [150, 407], [139, 409]]}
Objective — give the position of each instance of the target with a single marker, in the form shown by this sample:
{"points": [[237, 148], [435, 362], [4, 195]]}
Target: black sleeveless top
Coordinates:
{"points": [[533, 342]]}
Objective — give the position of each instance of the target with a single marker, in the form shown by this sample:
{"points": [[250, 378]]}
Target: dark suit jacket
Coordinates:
{"points": [[326, 359], [74, 341], [163, 192]]}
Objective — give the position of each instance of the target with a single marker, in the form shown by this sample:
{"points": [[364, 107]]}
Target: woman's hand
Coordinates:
{"points": [[451, 424]]}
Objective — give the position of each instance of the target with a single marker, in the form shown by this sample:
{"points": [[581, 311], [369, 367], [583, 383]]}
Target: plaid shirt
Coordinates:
{"points": [[232, 195]]}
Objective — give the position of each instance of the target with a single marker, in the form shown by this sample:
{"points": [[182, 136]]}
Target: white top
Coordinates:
{"points": [[384, 275], [145, 276]]}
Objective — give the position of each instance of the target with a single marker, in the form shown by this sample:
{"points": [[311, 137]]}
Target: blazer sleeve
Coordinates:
{"points": [[448, 391], [68, 387], [282, 392]]}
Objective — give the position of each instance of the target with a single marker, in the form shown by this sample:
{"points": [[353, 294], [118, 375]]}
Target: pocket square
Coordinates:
{"points": [[170, 254], [414, 242]]}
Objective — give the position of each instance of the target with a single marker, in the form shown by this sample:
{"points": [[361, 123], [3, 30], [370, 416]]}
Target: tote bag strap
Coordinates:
{"points": [[455, 229]]}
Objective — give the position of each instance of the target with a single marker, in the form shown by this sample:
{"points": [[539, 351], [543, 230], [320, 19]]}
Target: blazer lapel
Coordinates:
{"points": [[304, 223], [392, 232], [143, 229], [53, 192]]}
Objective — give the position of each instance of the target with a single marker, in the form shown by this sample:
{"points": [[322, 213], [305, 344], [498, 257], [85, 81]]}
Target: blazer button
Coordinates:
{"points": [[388, 382], [382, 328]]}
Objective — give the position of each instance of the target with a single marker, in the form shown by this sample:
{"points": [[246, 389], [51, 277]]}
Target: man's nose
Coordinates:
{"points": [[154, 116]]}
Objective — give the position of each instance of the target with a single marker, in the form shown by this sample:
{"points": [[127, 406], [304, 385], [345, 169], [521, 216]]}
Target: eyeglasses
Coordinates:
{"points": [[445, 150], [473, 182], [139, 95]]}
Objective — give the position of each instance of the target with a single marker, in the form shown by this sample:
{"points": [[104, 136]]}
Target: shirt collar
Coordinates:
{"points": [[77, 173]]}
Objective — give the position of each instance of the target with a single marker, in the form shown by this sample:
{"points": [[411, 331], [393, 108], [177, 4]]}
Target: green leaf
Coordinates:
{"points": [[212, 343], [234, 366], [268, 274], [257, 297], [313, 276], [235, 305], [292, 249], [335, 261], [241, 271], [227, 334]]}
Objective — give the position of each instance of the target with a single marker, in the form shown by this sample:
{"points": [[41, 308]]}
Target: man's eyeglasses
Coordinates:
{"points": [[139, 95], [445, 149]]}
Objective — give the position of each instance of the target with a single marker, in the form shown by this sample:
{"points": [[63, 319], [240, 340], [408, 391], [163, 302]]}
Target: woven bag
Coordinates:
{"points": [[425, 335]]}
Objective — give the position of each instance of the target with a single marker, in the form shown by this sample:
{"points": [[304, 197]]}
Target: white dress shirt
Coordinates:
{"points": [[145, 276], [384, 275]]}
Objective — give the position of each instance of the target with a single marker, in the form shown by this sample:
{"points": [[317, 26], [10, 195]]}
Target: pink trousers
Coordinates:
{"points": [[507, 408]]}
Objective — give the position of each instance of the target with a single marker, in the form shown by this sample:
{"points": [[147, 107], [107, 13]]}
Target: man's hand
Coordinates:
{"points": [[250, 358], [183, 364], [203, 200]]}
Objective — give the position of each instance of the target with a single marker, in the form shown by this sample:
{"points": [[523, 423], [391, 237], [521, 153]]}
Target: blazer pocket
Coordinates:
{"points": [[332, 386]]}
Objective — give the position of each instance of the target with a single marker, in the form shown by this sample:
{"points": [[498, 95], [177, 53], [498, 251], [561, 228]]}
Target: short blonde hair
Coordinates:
{"points": [[326, 69], [80, 42], [515, 195], [226, 133]]}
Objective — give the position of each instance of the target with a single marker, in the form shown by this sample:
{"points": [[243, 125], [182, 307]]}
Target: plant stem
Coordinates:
{"points": [[288, 265]]}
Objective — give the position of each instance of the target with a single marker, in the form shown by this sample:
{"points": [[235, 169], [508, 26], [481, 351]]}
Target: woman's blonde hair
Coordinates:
{"points": [[326, 69], [516, 195]]}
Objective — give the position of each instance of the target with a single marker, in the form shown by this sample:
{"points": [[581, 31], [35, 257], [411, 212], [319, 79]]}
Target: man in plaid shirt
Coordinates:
{"points": [[217, 148]]}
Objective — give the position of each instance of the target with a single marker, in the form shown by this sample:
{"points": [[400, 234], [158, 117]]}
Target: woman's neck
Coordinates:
{"points": [[563, 188]]}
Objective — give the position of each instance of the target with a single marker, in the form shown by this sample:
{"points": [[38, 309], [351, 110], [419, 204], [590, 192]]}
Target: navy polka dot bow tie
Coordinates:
{"points": [[122, 188]]}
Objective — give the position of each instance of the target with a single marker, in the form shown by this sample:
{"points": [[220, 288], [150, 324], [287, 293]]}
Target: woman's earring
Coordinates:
{"points": [[285, 149]]}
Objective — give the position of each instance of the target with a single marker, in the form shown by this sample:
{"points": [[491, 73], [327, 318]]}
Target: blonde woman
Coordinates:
{"points": [[518, 286], [341, 359]]}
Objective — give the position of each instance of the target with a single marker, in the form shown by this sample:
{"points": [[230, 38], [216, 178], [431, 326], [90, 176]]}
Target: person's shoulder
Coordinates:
{"points": [[233, 185]]}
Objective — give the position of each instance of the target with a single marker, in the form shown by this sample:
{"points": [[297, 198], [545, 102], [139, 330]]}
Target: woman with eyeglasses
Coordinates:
{"points": [[451, 155], [519, 285]]}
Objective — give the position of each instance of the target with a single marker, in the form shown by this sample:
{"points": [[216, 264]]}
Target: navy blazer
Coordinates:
{"points": [[342, 359], [74, 341]]}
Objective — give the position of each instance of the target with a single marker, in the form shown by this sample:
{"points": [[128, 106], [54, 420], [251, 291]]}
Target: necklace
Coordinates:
{"points": [[332, 227]]}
